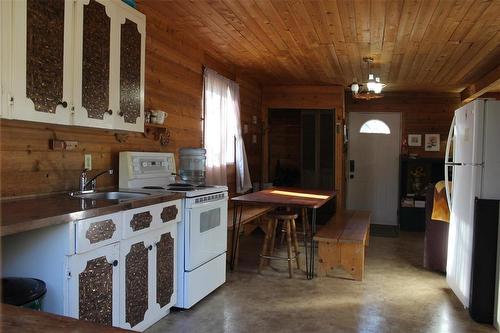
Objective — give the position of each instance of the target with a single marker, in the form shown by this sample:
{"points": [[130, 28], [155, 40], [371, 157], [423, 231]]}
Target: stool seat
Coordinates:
{"points": [[283, 215]]}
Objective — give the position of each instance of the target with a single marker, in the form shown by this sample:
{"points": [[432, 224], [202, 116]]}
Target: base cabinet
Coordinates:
{"points": [[147, 277], [96, 271]]}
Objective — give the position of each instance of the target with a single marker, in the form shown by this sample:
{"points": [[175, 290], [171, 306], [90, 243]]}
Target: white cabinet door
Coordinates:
{"points": [[95, 40], [136, 279], [165, 271], [41, 60], [128, 70], [94, 284]]}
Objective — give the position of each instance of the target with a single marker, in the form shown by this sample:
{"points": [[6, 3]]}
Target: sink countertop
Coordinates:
{"points": [[25, 214]]}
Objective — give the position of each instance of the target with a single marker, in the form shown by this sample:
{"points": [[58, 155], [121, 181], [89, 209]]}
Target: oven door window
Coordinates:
{"points": [[206, 233], [209, 220]]}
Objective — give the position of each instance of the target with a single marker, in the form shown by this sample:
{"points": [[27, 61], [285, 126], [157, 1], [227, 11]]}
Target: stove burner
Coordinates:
{"points": [[153, 188]]}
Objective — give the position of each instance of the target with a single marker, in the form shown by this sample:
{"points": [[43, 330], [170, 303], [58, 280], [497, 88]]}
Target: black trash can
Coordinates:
{"points": [[25, 292]]}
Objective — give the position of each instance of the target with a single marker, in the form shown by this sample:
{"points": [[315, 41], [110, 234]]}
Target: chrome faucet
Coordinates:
{"points": [[84, 182]]}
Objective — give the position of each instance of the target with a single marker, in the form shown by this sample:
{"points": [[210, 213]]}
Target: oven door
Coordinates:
{"points": [[206, 233]]}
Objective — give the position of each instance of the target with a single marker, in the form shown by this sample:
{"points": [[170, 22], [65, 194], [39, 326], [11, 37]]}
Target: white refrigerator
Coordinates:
{"points": [[475, 141]]}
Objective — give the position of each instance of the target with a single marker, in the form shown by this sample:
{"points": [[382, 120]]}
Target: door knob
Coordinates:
{"points": [[115, 263], [120, 113], [150, 247], [64, 104], [109, 111]]}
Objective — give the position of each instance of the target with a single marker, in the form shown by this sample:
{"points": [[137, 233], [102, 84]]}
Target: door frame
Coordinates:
{"points": [[348, 154]]}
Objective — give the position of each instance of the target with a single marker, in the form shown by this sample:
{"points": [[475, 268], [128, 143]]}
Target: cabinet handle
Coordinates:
{"points": [[115, 263], [120, 113], [150, 247], [64, 104], [109, 111]]}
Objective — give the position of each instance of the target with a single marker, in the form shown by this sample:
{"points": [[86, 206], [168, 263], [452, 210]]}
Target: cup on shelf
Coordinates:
{"points": [[158, 117]]}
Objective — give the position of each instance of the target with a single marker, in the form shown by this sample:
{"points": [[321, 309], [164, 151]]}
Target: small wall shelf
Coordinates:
{"points": [[160, 132]]}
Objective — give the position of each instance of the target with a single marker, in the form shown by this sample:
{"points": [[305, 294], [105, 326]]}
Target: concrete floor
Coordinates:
{"points": [[397, 295]]}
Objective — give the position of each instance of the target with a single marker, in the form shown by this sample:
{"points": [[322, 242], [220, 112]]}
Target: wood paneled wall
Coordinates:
{"points": [[422, 113], [174, 66], [308, 97]]}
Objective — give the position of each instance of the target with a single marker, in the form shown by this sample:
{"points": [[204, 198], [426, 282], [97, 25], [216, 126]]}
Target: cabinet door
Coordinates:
{"points": [[93, 285], [135, 281], [130, 83], [94, 41], [165, 258], [41, 72]]}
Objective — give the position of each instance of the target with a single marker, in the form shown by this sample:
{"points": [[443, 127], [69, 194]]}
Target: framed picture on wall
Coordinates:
{"points": [[432, 142], [414, 140]]}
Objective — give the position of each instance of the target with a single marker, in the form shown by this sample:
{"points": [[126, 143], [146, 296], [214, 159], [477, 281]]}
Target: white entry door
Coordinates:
{"points": [[373, 164]]}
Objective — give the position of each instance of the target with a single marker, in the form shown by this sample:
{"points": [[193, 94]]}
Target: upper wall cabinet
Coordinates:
{"points": [[41, 73], [88, 71]]}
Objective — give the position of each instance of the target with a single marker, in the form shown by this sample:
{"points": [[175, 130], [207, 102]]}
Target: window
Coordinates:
{"points": [[222, 131], [375, 126]]}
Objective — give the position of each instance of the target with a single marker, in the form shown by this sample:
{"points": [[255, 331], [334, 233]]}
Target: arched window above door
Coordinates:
{"points": [[375, 126]]}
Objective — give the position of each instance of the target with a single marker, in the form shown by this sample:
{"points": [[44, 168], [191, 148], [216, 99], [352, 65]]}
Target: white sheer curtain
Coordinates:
{"points": [[222, 129]]}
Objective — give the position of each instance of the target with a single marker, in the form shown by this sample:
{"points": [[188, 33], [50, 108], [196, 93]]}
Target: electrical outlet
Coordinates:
{"points": [[254, 138], [88, 162], [70, 145]]}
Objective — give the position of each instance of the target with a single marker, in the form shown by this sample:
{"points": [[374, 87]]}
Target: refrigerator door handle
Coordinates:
{"points": [[448, 164]]}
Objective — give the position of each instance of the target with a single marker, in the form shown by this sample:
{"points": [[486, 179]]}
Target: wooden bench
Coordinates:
{"points": [[250, 220], [341, 245]]}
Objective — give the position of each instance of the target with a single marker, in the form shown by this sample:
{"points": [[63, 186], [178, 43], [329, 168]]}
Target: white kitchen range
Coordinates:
{"points": [[202, 233]]}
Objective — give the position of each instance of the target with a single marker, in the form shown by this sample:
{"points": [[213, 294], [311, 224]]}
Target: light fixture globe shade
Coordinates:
{"points": [[355, 88], [370, 85], [378, 86]]}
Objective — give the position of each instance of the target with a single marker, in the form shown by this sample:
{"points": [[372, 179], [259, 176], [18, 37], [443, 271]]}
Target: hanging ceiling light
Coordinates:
{"points": [[373, 85]]}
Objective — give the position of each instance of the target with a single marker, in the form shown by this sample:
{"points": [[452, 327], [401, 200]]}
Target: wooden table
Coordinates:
{"points": [[17, 319], [283, 197]]}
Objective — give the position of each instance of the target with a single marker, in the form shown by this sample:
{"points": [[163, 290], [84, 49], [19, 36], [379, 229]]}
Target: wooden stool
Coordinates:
{"points": [[288, 219]]}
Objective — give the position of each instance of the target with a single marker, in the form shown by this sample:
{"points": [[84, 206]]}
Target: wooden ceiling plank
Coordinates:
{"points": [[451, 63], [348, 19], [423, 20], [472, 16], [478, 57], [318, 16], [393, 12], [333, 20], [304, 22], [377, 25], [362, 10], [485, 84]]}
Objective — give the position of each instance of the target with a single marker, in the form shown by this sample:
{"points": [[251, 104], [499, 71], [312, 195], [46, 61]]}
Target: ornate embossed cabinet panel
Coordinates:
{"points": [[94, 284], [98, 231], [131, 80], [38, 78]]}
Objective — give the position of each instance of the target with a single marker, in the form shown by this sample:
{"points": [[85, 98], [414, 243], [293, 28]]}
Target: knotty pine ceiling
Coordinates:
{"points": [[438, 45]]}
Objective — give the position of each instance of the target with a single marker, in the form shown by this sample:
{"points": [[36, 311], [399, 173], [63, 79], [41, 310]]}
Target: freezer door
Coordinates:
{"points": [[467, 147], [458, 270], [491, 153]]}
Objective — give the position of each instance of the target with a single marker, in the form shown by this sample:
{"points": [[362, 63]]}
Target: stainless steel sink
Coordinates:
{"points": [[117, 196]]}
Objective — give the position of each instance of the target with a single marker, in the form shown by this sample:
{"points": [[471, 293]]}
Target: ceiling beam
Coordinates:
{"points": [[483, 85]]}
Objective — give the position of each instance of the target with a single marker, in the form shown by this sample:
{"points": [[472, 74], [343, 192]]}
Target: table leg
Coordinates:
{"points": [[236, 233], [305, 223], [313, 248]]}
